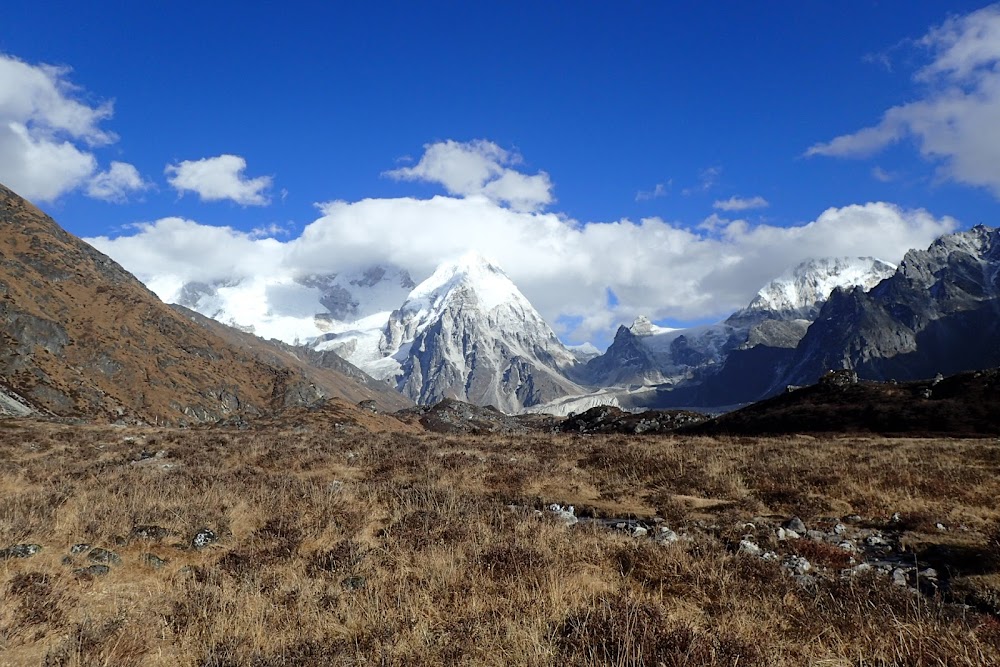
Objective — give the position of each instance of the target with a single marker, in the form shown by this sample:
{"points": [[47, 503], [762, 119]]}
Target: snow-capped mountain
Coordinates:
{"points": [[468, 333], [939, 313], [646, 355], [299, 308], [801, 291]]}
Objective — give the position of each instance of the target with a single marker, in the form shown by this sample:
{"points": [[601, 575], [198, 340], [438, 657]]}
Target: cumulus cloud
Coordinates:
{"points": [[46, 132], [653, 266], [741, 203], [219, 178], [954, 120], [116, 183], [479, 167]]}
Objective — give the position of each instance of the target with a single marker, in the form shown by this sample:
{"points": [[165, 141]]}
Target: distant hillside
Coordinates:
{"points": [[967, 404], [81, 337]]}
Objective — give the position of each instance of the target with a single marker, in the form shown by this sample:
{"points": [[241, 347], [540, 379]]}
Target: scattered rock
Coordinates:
{"points": [[153, 560], [941, 527], [354, 583], [839, 529], [839, 378], [750, 547], [566, 515], [92, 571], [79, 548], [860, 568], [875, 540], [666, 536], [148, 532], [203, 538], [796, 564], [796, 524], [20, 551], [787, 534], [899, 577], [104, 556]]}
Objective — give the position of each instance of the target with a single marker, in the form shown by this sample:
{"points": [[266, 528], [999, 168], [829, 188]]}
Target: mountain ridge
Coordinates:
{"points": [[82, 338]]}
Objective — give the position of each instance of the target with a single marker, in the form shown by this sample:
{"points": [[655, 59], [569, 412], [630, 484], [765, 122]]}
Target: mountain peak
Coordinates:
{"points": [[808, 284], [471, 274], [642, 326]]}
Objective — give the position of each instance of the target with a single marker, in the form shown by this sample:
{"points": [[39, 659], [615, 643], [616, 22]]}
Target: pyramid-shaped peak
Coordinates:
{"points": [[472, 262], [471, 272]]}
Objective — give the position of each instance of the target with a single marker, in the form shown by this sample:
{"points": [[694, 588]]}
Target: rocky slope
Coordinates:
{"points": [[658, 367], [799, 293], [467, 333], [939, 313], [81, 337], [965, 404]]}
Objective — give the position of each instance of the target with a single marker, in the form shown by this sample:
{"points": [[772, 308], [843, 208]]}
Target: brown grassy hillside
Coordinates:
{"points": [[340, 547], [81, 337]]}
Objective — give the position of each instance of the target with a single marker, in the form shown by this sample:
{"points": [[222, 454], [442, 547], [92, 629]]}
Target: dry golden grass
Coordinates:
{"points": [[350, 548]]}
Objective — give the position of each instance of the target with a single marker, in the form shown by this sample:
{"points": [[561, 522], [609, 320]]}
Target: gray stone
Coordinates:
{"points": [[20, 551], [565, 515], [353, 583], [875, 540], [92, 571], [148, 532], [796, 564], [203, 538], [899, 577], [79, 548], [153, 560], [104, 556], [666, 536], [787, 534], [796, 524], [839, 529], [749, 547]]}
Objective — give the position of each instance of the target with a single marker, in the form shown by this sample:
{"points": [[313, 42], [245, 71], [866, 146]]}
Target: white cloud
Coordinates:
{"points": [[219, 178], [46, 132], [116, 183], [883, 176], [954, 121], [655, 267], [741, 203], [479, 167], [707, 179], [659, 190]]}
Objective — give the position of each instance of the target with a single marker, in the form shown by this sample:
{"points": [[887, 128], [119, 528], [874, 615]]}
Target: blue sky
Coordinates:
{"points": [[662, 110]]}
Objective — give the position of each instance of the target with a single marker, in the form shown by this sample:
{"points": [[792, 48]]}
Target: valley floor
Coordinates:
{"points": [[343, 547]]}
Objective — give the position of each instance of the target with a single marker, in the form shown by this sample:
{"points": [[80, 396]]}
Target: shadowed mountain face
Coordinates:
{"points": [[81, 337], [939, 313], [965, 404]]}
